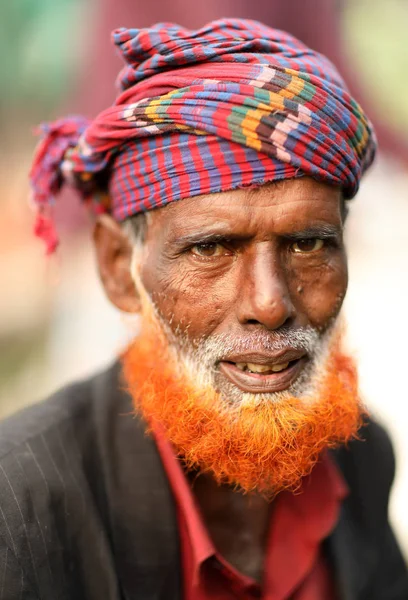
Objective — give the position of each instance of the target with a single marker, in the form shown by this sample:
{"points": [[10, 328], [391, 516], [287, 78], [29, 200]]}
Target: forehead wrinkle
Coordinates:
{"points": [[291, 214], [290, 201]]}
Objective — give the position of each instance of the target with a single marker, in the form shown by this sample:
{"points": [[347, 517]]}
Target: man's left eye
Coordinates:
{"points": [[208, 249], [307, 245]]}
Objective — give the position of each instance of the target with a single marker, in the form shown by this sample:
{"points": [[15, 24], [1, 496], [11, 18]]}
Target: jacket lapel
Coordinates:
{"points": [[142, 515], [351, 547], [352, 557]]}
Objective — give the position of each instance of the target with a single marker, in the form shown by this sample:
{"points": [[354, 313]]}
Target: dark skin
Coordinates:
{"points": [[233, 262]]}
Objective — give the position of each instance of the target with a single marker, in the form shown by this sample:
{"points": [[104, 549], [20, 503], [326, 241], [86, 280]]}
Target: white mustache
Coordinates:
{"points": [[217, 346]]}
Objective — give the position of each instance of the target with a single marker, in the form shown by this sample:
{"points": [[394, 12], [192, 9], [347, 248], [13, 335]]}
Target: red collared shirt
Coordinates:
{"points": [[295, 566]]}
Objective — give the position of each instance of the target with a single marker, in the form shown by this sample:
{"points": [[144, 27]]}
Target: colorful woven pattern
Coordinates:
{"points": [[232, 104]]}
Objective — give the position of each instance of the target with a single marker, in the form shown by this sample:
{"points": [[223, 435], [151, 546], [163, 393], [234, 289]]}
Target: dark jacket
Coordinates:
{"points": [[86, 511]]}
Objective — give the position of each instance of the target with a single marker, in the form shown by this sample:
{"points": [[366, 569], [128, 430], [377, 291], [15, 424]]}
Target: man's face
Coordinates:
{"points": [[236, 359], [254, 277]]}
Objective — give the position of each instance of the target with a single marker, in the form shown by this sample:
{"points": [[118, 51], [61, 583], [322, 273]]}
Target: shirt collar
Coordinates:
{"points": [[315, 508]]}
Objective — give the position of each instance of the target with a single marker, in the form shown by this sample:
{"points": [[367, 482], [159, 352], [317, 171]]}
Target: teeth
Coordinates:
{"points": [[277, 368], [259, 368], [254, 368]]}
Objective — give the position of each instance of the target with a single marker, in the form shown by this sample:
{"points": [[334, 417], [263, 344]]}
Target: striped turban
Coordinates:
{"points": [[233, 104]]}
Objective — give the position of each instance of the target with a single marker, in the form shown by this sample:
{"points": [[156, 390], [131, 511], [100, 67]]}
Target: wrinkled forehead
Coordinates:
{"points": [[274, 208]]}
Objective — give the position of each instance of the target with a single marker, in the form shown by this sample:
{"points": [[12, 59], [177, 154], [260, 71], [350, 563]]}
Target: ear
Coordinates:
{"points": [[114, 255]]}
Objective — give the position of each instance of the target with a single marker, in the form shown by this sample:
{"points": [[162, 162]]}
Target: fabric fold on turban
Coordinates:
{"points": [[235, 103]]}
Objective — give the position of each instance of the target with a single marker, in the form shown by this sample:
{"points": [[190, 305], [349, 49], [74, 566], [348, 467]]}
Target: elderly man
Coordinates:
{"points": [[226, 454]]}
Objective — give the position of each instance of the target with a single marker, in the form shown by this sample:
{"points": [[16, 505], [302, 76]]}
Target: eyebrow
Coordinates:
{"points": [[197, 238], [322, 231]]}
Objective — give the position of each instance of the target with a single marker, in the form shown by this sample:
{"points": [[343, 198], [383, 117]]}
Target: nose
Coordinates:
{"points": [[264, 297]]}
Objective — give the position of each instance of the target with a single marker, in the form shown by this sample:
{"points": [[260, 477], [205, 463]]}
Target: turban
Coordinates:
{"points": [[233, 104]]}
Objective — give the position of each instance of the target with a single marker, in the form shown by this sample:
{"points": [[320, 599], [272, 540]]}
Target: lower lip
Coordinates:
{"points": [[257, 382]]}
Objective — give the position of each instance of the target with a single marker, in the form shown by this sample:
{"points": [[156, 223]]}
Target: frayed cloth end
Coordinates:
{"points": [[44, 228]]}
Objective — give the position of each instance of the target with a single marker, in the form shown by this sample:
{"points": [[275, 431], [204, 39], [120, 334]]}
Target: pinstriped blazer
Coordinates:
{"points": [[86, 512]]}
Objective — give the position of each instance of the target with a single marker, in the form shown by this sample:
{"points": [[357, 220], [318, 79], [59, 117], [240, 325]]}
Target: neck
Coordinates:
{"points": [[237, 523]]}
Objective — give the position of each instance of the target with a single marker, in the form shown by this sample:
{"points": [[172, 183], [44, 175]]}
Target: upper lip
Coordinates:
{"points": [[277, 358]]}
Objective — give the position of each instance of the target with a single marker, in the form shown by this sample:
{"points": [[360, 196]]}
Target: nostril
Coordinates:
{"points": [[253, 322], [285, 323]]}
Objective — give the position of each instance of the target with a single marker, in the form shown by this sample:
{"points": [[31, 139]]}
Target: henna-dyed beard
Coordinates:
{"points": [[267, 446]]}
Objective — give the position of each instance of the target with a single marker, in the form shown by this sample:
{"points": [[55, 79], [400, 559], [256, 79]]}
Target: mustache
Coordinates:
{"points": [[305, 339]]}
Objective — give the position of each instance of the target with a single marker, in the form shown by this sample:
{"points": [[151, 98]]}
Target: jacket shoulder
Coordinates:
{"points": [[70, 403], [51, 499]]}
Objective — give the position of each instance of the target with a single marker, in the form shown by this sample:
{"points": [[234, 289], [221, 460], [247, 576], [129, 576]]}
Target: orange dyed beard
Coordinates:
{"points": [[255, 446]]}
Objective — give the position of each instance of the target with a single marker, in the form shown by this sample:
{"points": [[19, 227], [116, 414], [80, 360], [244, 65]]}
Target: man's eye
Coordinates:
{"points": [[307, 245], [208, 249]]}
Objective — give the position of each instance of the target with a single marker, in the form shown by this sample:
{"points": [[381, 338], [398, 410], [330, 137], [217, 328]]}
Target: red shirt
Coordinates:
{"points": [[295, 567]]}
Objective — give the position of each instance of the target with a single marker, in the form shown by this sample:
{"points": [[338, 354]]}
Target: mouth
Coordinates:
{"points": [[255, 375]]}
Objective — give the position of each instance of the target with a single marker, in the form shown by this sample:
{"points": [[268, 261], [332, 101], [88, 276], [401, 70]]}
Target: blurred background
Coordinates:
{"points": [[56, 325]]}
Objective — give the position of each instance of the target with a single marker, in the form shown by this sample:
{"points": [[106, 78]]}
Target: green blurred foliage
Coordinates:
{"points": [[378, 48], [40, 43]]}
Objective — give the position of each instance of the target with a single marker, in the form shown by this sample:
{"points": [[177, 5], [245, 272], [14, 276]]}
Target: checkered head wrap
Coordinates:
{"points": [[233, 104]]}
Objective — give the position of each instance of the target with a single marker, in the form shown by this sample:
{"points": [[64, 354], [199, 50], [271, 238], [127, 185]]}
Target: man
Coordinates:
{"points": [[220, 178]]}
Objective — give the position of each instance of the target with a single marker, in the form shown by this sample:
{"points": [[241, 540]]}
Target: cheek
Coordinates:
{"points": [[318, 293], [195, 303]]}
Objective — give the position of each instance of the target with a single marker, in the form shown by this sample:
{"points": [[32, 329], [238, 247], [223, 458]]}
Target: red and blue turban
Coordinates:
{"points": [[233, 104]]}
